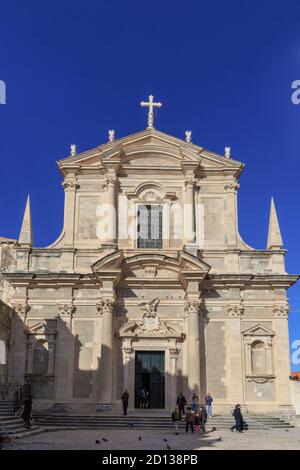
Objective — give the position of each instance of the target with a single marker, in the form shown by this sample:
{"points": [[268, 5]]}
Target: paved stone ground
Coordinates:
{"points": [[154, 440]]}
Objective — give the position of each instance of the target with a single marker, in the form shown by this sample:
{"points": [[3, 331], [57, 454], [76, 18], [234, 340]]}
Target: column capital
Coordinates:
{"points": [[190, 182], [21, 308], [281, 310], [66, 310], [70, 185], [192, 306], [231, 187], [235, 310], [105, 305], [111, 181], [174, 353]]}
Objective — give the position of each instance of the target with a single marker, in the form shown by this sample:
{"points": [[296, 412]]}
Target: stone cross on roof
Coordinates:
{"points": [[151, 105]]}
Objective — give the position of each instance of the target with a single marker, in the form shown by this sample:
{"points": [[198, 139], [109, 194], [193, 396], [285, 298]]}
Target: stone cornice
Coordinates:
{"points": [[253, 280]]}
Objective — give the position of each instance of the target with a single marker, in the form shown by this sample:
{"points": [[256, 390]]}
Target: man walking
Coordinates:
{"points": [[181, 402], [208, 404], [125, 399], [202, 419], [26, 415], [238, 426]]}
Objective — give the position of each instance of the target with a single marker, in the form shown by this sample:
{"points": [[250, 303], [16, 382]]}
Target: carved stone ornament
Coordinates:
{"points": [[150, 307], [231, 186], [150, 195], [111, 181], [174, 353], [191, 182], [235, 310], [105, 305], [260, 379], [281, 311], [127, 351], [192, 306], [66, 309], [69, 185], [150, 271], [21, 308]]}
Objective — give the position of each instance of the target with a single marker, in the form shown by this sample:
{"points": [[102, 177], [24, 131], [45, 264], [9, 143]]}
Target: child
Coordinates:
{"points": [[197, 422], [175, 418]]}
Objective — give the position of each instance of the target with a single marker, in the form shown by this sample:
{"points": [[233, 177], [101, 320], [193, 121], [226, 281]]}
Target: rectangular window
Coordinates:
{"points": [[149, 226]]}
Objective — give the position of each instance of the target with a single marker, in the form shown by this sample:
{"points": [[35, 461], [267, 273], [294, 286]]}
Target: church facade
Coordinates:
{"points": [[149, 285]]}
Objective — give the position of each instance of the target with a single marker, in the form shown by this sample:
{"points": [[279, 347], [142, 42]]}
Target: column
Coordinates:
{"points": [[65, 354], [248, 359], [105, 307], [17, 368], [192, 308], [283, 367], [70, 185], [128, 383], [189, 212], [235, 353], [173, 357], [111, 209], [230, 225]]}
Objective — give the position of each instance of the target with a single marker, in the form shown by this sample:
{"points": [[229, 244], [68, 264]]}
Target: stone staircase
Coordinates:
{"points": [[139, 421], [11, 425]]}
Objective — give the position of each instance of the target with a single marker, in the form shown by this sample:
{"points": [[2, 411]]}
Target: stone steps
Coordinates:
{"points": [[11, 425], [149, 422], [6, 407]]}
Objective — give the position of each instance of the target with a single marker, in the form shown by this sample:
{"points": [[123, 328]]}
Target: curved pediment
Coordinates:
{"points": [[150, 267]]}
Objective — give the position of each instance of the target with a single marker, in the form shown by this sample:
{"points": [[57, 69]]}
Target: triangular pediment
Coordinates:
{"points": [[148, 148], [41, 328], [258, 330]]}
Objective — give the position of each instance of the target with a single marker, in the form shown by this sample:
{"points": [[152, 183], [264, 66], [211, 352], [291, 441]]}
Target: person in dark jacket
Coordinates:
{"points": [[189, 420], [202, 418], [238, 426], [181, 402], [125, 398], [26, 415]]}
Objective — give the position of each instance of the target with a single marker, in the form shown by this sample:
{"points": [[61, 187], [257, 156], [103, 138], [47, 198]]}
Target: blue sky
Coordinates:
{"points": [[75, 69]]}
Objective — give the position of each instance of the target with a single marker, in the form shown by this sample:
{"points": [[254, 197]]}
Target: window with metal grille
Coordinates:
{"points": [[149, 226]]}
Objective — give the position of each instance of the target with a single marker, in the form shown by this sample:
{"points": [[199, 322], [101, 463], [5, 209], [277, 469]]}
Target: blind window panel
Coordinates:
{"points": [[143, 215]]}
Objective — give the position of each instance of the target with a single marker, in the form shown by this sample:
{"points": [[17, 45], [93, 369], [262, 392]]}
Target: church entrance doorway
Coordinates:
{"points": [[150, 376]]}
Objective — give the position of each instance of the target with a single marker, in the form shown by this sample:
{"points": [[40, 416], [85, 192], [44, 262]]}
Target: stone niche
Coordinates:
{"points": [[259, 363], [40, 358]]}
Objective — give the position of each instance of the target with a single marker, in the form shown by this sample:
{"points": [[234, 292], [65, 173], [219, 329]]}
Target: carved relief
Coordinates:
{"points": [[150, 196], [21, 308], [66, 309], [174, 353], [150, 307], [231, 186], [235, 310], [150, 271], [281, 311], [105, 305], [69, 185], [192, 306]]}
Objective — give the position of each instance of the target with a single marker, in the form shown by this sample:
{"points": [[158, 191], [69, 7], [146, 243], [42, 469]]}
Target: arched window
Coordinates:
{"points": [[2, 353], [258, 358]]}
